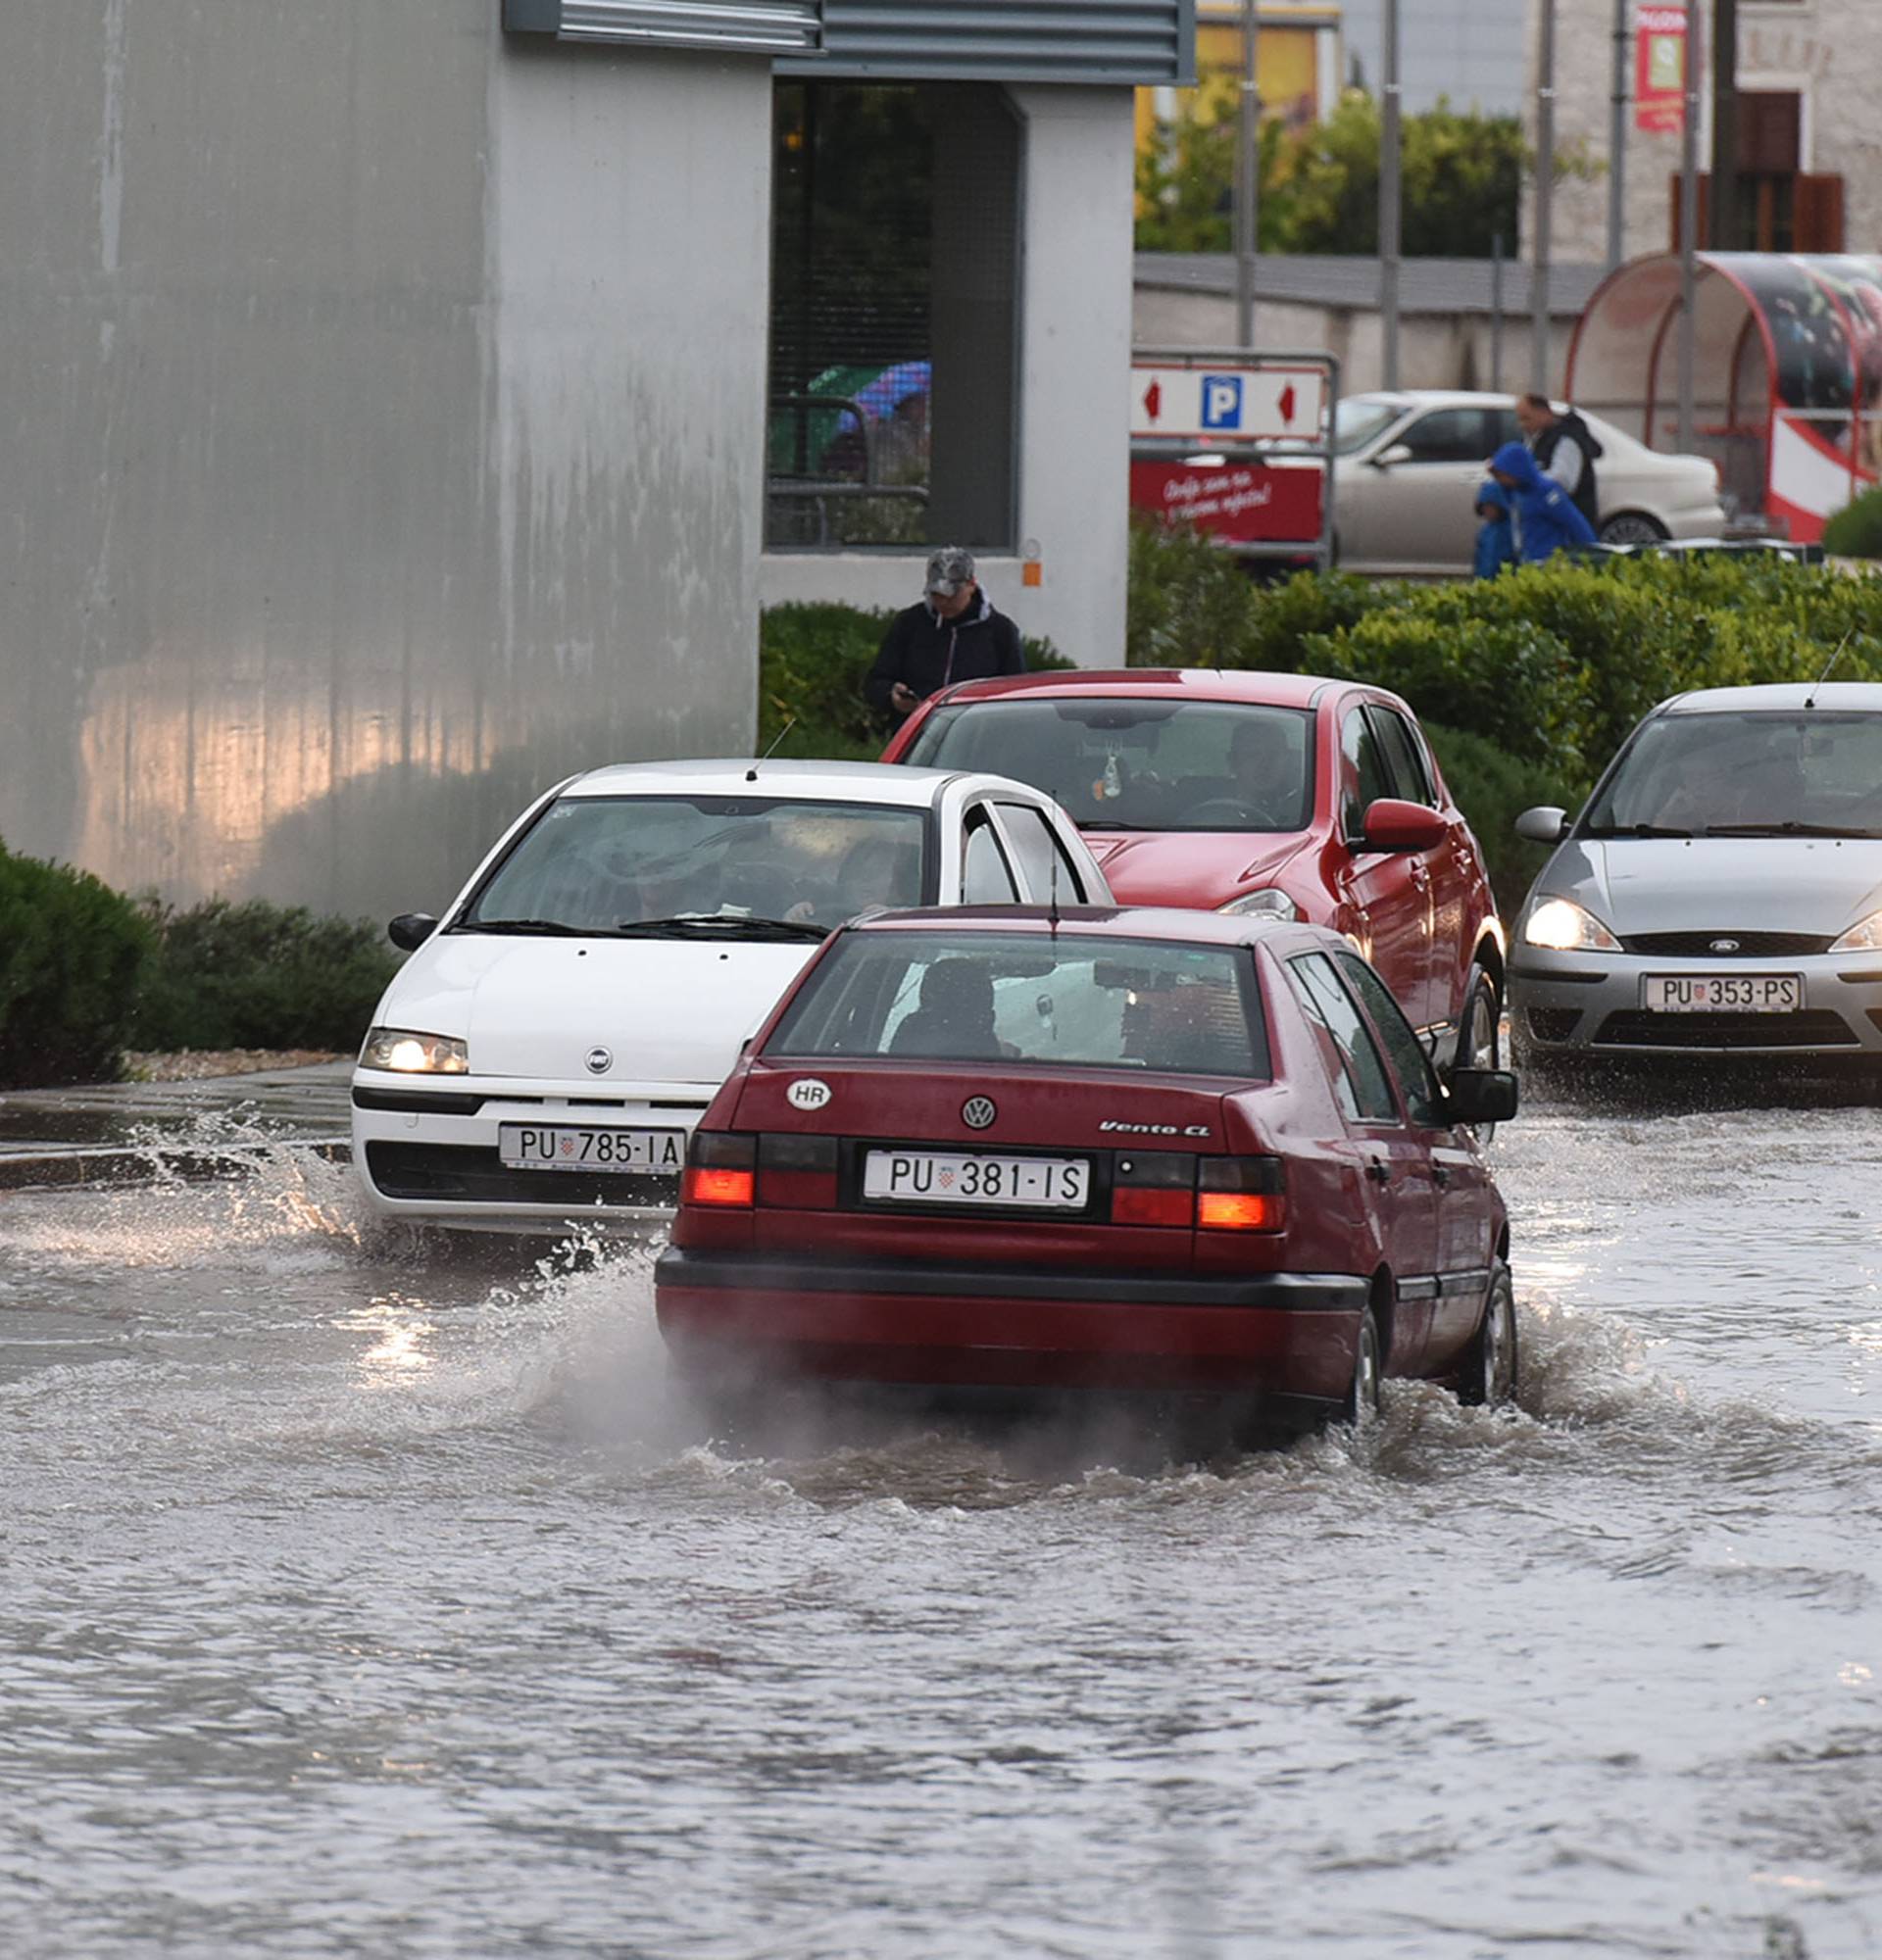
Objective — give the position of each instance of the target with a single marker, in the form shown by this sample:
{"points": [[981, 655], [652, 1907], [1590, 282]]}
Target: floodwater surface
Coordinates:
{"points": [[364, 1598]]}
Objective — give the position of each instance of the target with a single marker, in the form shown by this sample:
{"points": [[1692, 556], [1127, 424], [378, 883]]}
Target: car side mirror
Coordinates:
{"points": [[1482, 1095], [1545, 825], [1391, 825], [409, 930], [1390, 458]]}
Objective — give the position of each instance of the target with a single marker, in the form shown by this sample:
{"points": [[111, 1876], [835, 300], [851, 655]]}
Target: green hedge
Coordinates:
{"points": [[72, 952], [1855, 532], [257, 975]]}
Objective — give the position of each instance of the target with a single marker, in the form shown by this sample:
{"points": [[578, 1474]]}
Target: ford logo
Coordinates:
{"points": [[1725, 946], [977, 1111], [599, 1060]]}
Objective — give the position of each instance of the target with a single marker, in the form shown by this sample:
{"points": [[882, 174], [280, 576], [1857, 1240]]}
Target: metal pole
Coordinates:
{"points": [[1689, 222], [1539, 321], [1247, 177], [1496, 314], [1617, 144], [1722, 233], [1391, 202]]}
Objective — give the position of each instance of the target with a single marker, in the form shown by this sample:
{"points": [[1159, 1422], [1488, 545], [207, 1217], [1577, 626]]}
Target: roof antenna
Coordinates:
{"points": [[750, 775], [1809, 699], [1054, 894]]}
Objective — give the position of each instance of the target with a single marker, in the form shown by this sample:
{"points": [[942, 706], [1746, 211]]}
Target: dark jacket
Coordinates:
{"points": [[1496, 535], [1571, 428], [1547, 520], [927, 652]]}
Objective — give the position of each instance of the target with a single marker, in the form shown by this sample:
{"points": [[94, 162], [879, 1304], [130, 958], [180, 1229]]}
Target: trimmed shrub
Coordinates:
{"points": [[1855, 532], [71, 954], [257, 975], [1493, 789]]}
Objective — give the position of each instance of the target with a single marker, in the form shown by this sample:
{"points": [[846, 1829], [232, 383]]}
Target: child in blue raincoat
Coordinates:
{"points": [[1497, 533], [1547, 520]]}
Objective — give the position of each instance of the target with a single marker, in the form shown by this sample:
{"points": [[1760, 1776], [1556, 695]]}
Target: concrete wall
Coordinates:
{"points": [[1075, 329], [1471, 54], [365, 471]]}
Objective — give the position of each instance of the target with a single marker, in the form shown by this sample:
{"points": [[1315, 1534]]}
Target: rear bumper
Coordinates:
{"points": [[1281, 1333]]}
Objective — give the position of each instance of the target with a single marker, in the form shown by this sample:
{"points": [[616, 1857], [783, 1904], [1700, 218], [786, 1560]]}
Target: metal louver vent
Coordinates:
{"points": [[743, 26], [1114, 41]]}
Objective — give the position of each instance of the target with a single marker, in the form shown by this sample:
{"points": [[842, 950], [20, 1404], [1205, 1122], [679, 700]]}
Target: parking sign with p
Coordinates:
{"points": [[1221, 401]]}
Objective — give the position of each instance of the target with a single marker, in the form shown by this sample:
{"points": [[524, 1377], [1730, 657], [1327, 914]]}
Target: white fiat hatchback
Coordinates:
{"points": [[544, 1053]]}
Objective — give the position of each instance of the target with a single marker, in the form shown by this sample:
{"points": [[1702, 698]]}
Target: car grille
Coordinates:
{"points": [[1747, 945], [1553, 1024], [1815, 1028], [467, 1174]]}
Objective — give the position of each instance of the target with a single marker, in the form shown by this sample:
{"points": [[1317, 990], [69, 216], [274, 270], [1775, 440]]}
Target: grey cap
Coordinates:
{"points": [[949, 569]]}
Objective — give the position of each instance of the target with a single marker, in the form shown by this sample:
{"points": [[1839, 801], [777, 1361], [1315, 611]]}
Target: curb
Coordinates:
{"points": [[53, 1168]]}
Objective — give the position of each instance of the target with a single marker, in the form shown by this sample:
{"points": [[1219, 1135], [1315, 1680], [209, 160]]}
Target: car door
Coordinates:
{"points": [[1424, 502], [1464, 1196], [1395, 1159], [1390, 891], [1445, 868]]}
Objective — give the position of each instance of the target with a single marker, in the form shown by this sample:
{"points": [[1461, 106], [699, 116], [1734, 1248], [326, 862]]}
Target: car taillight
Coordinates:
{"points": [[1152, 1188], [797, 1173], [720, 1169], [1241, 1195], [1132, 1205]]}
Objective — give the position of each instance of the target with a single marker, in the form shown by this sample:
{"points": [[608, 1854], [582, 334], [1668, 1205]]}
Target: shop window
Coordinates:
{"points": [[894, 317]]}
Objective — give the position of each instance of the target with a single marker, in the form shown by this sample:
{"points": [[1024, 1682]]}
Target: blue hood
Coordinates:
{"points": [[1514, 460], [1490, 491]]}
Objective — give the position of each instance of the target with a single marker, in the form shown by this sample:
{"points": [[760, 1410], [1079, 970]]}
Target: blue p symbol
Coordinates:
{"points": [[1221, 401]]}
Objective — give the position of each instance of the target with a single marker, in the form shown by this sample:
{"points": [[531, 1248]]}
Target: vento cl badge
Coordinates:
{"points": [[807, 1093], [599, 1060], [977, 1111], [1725, 946]]}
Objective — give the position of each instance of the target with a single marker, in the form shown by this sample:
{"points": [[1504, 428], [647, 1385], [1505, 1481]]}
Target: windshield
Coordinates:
{"points": [[1358, 418], [1121, 764], [992, 996], [1740, 774], [596, 864]]}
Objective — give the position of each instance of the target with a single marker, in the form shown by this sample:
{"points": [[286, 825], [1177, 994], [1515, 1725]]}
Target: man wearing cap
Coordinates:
{"points": [[954, 634]]}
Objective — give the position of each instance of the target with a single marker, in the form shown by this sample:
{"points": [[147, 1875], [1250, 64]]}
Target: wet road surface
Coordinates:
{"points": [[362, 1601]]}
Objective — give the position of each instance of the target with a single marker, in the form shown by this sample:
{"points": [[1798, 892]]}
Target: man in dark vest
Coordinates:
{"points": [[954, 634], [1565, 451]]}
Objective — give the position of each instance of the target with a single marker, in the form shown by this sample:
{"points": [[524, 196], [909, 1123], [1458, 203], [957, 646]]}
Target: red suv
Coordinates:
{"points": [[1092, 1149], [1281, 796]]}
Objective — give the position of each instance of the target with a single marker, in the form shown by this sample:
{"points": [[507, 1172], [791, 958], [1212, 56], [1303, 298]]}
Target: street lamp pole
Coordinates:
{"points": [[1545, 199], [1722, 233], [1390, 201], [1617, 144], [1247, 177], [1689, 222]]}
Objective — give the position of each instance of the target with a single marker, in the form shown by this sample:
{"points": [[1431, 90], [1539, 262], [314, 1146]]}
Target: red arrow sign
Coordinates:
{"points": [[1154, 400], [1286, 405]]}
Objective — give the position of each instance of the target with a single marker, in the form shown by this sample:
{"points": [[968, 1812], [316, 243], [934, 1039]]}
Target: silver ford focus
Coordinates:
{"points": [[1722, 892]]}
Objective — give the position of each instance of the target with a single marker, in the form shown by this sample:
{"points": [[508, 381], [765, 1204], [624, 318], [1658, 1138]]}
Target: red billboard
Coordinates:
{"points": [[1239, 502], [1660, 71]]}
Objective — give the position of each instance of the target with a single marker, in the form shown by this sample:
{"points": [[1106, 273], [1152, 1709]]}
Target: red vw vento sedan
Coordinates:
{"points": [[1279, 796], [1104, 1149]]}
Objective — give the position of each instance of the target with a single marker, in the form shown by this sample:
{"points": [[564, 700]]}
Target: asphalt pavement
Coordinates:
{"points": [[126, 1130]]}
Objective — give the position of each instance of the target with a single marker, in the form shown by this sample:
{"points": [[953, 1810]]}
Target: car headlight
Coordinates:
{"points": [[1268, 903], [1563, 927], [1865, 936], [409, 1052]]}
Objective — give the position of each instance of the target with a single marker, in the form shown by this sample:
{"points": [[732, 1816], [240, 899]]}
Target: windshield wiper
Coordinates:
{"points": [[547, 928], [1635, 830], [1788, 828], [1099, 823], [721, 925]]}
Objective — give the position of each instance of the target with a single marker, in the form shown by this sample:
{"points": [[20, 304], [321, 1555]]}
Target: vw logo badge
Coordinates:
{"points": [[977, 1111], [807, 1093], [599, 1060], [1725, 946]]}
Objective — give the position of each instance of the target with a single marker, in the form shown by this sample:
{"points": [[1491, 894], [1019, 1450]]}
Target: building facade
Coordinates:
{"points": [[409, 404]]}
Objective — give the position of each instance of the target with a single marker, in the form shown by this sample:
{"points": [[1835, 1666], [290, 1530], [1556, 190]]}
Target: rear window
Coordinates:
{"points": [[1001, 996], [1121, 763]]}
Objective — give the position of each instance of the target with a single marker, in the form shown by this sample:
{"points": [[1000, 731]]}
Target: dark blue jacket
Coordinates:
{"points": [[1496, 535], [1547, 520]]}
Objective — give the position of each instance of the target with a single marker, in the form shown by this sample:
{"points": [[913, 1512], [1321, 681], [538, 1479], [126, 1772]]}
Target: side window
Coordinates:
{"points": [[1366, 1095], [1503, 428], [1404, 751], [985, 879], [1422, 1097], [1447, 435], [1040, 856], [1365, 775]]}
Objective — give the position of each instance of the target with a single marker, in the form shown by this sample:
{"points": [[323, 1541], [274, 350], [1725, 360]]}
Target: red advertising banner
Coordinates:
{"points": [[1236, 502], [1660, 71]]}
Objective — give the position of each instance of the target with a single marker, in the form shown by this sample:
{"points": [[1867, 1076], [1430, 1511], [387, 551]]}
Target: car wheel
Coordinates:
{"points": [[1633, 527], [1361, 1409], [1490, 1372], [1479, 1042]]}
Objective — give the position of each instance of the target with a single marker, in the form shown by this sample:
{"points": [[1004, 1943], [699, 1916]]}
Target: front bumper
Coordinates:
{"points": [[427, 1155], [1291, 1335], [1591, 1003]]}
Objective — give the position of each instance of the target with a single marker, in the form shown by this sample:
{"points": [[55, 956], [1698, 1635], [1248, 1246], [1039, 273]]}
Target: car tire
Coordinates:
{"points": [[1479, 1043], [1490, 1372], [1632, 527], [1360, 1408]]}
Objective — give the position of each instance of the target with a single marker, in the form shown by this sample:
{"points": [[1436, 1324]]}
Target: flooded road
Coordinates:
{"points": [[359, 1601]]}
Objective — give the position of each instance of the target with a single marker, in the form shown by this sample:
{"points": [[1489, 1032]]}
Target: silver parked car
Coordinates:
{"points": [[1410, 462], [1721, 893]]}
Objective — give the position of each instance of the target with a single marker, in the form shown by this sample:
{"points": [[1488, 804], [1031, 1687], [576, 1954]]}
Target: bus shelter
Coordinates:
{"points": [[1786, 374]]}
